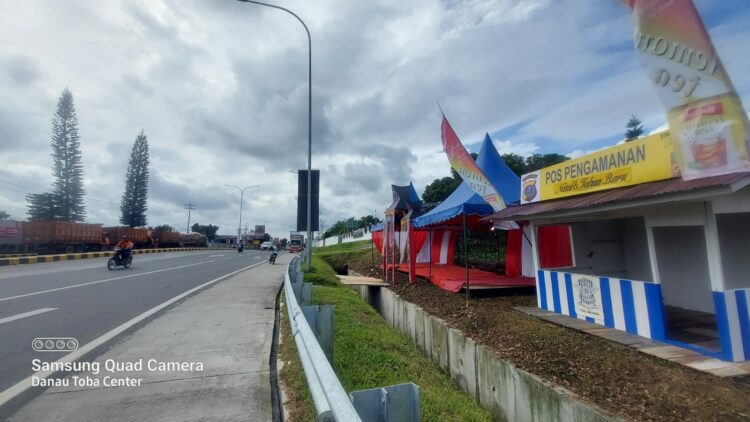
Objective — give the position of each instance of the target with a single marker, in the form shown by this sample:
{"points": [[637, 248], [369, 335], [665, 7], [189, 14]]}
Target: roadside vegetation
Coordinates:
{"points": [[351, 246], [369, 354], [630, 384]]}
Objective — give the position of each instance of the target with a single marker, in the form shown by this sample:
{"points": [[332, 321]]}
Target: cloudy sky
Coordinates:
{"points": [[220, 89]]}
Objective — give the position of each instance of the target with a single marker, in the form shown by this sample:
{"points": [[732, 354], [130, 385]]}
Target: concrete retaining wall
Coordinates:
{"points": [[510, 393]]}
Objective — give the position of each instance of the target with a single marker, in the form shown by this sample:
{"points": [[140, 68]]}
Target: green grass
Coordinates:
{"points": [[321, 273], [351, 246], [368, 354]]}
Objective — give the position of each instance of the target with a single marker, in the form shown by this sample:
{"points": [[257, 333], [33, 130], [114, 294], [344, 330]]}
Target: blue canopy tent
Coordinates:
{"points": [[464, 201], [464, 207], [406, 205]]}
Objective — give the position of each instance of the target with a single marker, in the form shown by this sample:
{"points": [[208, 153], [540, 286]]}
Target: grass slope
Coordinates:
{"points": [[368, 354]]}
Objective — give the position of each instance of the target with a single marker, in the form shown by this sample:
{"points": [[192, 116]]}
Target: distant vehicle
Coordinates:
{"points": [[272, 257], [266, 246], [295, 243]]}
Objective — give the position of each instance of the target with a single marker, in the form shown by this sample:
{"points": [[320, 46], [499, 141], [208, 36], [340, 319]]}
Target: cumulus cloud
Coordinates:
{"points": [[220, 88]]}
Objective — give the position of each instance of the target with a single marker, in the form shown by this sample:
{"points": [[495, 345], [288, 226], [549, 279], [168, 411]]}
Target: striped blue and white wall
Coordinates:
{"points": [[733, 321], [627, 305]]}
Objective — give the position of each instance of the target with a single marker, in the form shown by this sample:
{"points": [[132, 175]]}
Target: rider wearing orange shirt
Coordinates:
{"points": [[124, 248]]}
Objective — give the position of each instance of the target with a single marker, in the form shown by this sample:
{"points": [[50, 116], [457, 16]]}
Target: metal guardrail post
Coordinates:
{"points": [[325, 388], [307, 293], [320, 318], [395, 403]]}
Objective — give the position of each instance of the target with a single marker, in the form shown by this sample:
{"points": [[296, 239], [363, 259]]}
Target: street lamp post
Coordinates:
{"points": [[242, 194], [308, 249]]}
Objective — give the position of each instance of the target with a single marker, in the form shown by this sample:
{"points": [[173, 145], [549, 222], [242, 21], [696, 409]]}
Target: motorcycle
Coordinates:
{"points": [[240, 248], [272, 258], [118, 261]]}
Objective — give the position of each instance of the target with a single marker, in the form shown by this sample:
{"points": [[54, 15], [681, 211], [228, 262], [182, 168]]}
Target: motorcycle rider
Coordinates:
{"points": [[124, 249], [274, 254]]}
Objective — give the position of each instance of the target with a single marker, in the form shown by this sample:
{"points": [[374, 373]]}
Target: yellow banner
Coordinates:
{"points": [[643, 160]]}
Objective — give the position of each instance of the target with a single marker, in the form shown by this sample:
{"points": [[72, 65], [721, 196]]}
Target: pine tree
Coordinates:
{"points": [[68, 167], [43, 206], [133, 204], [634, 128]]}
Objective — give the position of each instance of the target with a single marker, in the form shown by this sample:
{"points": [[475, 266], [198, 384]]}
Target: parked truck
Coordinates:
{"points": [[140, 236], [193, 240], [296, 242], [60, 237], [165, 239], [10, 237]]}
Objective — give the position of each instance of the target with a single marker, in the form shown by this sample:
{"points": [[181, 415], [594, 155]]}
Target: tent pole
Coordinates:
{"points": [[393, 251], [430, 274], [386, 227], [466, 262], [372, 249]]}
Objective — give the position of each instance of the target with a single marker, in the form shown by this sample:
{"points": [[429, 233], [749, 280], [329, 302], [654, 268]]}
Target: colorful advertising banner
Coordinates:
{"points": [[465, 166], [704, 112], [643, 160]]}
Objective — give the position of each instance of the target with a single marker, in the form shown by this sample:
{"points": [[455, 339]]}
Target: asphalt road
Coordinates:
{"points": [[83, 300]]}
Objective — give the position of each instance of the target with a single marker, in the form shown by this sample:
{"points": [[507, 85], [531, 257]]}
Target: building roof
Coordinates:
{"points": [[644, 190]]}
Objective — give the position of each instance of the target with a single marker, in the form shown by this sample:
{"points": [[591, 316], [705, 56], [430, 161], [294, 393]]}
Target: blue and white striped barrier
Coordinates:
{"points": [[627, 305], [733, 321]]}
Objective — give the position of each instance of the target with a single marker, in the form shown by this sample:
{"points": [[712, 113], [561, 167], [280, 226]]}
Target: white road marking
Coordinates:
{"points": [[26, 315], [214, 256], [23, 385], [102, 281], [57, 267]]}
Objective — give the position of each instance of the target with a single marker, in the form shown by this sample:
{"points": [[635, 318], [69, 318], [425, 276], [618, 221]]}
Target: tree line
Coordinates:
{"points": [[351, 224], [65, 200]]}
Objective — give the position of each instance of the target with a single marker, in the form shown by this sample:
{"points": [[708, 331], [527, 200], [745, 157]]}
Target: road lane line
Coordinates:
{"points": [[3, 299], [26, 315], [214, 256], [25, 384]]}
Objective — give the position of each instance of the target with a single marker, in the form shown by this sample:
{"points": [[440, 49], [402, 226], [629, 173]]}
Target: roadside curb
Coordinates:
{"points": [[86, 255]]}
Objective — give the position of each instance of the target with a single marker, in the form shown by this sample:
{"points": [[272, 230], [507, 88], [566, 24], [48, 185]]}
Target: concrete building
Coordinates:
{"points": [[666, 259]]}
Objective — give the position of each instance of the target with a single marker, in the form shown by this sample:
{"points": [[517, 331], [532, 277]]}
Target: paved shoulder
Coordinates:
{"points": [[204, 359]]}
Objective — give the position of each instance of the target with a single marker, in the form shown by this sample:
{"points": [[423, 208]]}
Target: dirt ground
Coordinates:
{"points": [[622, 380]]}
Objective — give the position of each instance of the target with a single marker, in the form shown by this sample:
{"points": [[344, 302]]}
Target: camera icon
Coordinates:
{"points": [[54, 344]]}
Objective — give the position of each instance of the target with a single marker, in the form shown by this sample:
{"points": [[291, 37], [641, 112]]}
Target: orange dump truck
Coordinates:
{"points": [[193, 239], [139, 236], [61, 236], [166, 239]]}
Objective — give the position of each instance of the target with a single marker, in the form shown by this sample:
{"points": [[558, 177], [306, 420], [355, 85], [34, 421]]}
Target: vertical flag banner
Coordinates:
{"points": [[704, 112], [465, 166]]}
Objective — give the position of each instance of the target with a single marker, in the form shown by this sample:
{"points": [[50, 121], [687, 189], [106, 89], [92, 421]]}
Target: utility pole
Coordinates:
{"points": [[242, 195], [189, 206], [308, 249]]}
